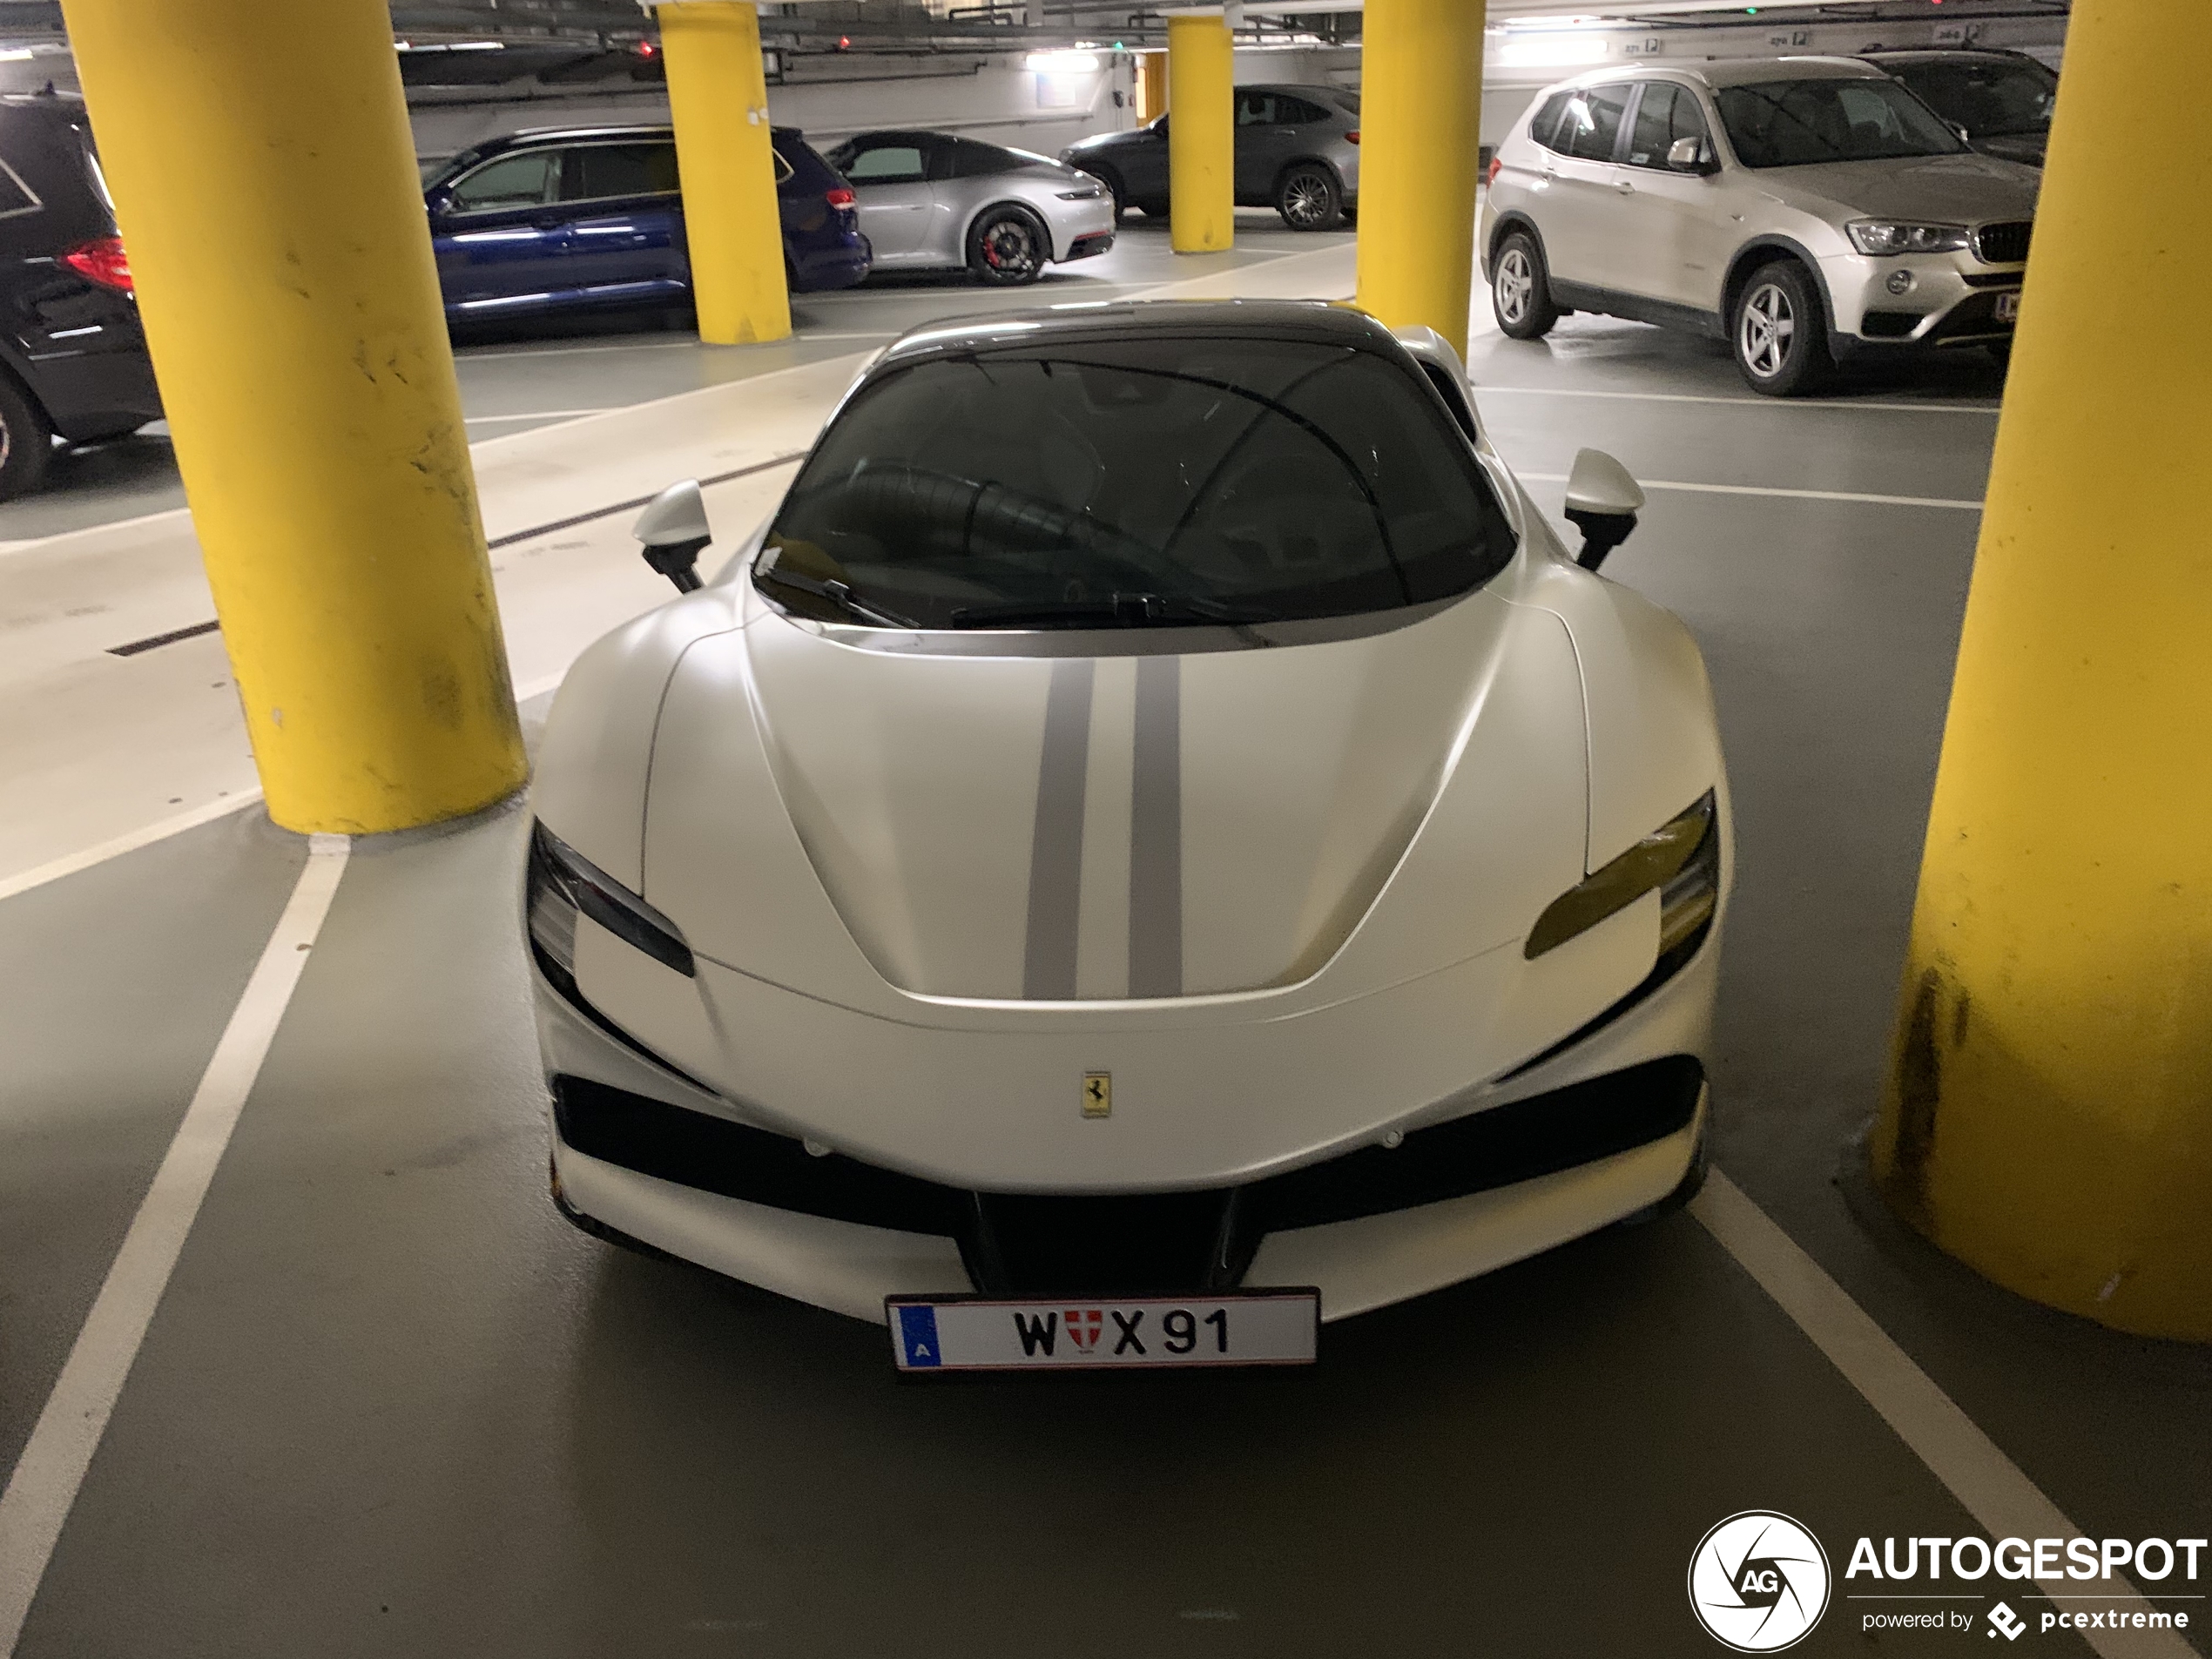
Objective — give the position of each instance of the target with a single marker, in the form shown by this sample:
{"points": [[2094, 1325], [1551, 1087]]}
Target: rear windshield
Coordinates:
{"points": [[1797, 123], [1129, 482]]}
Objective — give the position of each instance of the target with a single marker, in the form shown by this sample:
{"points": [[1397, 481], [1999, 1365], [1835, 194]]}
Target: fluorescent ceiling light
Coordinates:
{"points": [[15, 55], [1550, 51]]}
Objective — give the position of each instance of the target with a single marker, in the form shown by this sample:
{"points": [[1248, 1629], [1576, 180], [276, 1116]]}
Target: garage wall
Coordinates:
{"points": [[996, 98]]}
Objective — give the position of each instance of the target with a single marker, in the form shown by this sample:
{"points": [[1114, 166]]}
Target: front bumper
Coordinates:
{"points": [[1948, 299], [1609, 1124]]}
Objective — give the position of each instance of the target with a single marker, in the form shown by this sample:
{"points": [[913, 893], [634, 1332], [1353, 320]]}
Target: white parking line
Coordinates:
{"points": [[540, 415], [1989, 1484], [1782, 403], [1785, 495], [44, 1484]]}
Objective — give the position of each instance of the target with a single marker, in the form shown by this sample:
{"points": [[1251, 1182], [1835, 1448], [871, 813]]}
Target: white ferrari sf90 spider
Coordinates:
{"points": [[1156, 826]]}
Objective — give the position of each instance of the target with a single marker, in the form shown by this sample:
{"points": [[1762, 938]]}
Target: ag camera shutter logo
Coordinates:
{"points": [[1758, 1581]]}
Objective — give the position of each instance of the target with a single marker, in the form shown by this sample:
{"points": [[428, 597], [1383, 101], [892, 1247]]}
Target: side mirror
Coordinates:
{"points": [[1602, 502], [674, 529], [439, 204], [1687, 155]]}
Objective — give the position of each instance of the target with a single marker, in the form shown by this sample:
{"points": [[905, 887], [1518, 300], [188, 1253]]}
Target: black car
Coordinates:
{"points": [[2000, 101], [1297, 152], [74, 354]]}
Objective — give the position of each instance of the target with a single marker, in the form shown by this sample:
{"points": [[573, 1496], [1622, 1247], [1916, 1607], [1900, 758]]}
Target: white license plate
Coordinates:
{"points": [[2008, 307], [937, 1335]]}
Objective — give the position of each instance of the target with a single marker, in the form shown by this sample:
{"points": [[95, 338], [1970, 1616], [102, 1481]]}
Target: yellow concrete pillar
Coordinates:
{"points": [[2049, 1113], [265, 177], [718, 97], [1151, 87], [1202, 138], [1420, 120]]}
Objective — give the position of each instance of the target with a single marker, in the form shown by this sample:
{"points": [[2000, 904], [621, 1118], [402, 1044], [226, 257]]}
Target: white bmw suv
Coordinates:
{"points": [[1805, 209]]}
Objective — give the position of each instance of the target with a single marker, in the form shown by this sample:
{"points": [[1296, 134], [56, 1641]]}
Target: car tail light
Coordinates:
{"points": [[840, 198], [103, 262], [1497, 166], [1352, 136]]}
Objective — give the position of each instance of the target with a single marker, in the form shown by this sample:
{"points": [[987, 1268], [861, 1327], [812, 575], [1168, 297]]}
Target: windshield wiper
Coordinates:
{"points": [[1120, 610], [839, 594]]}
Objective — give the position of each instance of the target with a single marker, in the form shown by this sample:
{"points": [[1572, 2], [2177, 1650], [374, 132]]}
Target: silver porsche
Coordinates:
{"points": [[935, 202]]}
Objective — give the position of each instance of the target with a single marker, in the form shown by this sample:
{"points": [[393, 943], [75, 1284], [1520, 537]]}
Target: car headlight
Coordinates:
{"points": [[1879, 236], [563, 884], [1680, 862], [1091, 194]]}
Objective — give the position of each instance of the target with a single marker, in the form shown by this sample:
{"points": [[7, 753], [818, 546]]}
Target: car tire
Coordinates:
{"points": [[1520, 289], [1157, 208], [26, 440], [1779, 332], [1308, 198], [1007, 246]]}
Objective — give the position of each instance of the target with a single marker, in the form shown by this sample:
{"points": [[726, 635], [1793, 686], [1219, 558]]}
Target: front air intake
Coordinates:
{"points": [[2004, 244]]}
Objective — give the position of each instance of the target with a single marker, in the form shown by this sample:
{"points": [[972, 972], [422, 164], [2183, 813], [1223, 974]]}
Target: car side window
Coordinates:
{"points": [[967, 159], [522, 181], [886, 164], [1667, 115], [1591, 128], [1256, 109], [602, 171], [1543, 126], [785, 171], [1296, 111]]}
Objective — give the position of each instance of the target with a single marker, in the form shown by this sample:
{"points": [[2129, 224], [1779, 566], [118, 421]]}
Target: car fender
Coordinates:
{"points": [[1039, 215], [1758, 252], [1510, 219], [597, 751], [1654, 739]]}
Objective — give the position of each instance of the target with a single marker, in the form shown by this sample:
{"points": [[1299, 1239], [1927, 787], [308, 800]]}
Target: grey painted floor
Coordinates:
{"points": [[392, 1405]]}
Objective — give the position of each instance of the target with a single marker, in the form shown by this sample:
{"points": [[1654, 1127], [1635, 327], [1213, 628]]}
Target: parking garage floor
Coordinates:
{"points": [[391, 1403]]}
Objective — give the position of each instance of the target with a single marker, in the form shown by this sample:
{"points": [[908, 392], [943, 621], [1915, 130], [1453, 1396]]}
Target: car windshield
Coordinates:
{"points": [[1124, 483], [1797, 123], [1995, 99]]}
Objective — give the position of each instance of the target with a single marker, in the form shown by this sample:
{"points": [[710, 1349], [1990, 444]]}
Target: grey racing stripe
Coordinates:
{"points": [[1155, 832], [1056, 849]]}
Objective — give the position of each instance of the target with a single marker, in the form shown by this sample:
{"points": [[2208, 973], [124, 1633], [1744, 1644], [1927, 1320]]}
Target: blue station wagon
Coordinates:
{"points": [[548, 221]]}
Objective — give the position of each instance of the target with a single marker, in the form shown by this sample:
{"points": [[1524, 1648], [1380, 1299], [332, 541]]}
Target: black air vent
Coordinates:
{"points": [[2004, 244]]}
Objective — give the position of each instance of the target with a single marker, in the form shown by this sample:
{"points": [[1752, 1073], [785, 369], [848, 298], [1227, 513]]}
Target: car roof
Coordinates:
{"points": [[1316, 320], [1939, 54], [1736, 71], [530, 136]]}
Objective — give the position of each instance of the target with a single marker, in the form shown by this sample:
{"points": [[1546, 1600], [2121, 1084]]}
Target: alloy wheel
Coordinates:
{"points": [[1011, 249], [1769, 325], [1516, 282], [1305, 200]]}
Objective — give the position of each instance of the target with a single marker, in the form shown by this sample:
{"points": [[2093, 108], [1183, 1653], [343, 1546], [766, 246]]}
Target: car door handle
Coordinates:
{"points": [[1625, 188]]}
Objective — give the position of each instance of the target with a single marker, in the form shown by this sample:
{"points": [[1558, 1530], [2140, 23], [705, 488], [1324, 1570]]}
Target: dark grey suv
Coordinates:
{"points": [[1297, 152]]}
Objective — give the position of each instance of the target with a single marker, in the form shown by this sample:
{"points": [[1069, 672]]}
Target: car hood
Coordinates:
{"points": [[1070, 828], [2025, 147], [1962, 189]]}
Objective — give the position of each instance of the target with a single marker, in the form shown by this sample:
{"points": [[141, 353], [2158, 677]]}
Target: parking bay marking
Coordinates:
{"points": [[1851, 497], [1784, 404], [44, 1486], [1987, 1484]]}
